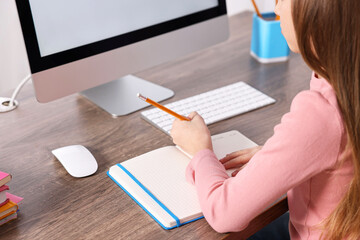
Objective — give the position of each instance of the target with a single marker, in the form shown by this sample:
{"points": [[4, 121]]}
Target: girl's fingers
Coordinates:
{"points": [[238, 161], [233, 174], [248, 151], [192, 115], [233, 155]]}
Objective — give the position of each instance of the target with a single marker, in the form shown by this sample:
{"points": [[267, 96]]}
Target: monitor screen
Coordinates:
{"points": [[65, 24], [57, 32]]}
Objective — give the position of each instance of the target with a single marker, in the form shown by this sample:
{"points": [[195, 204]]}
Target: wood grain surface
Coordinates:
{"points": [[58, 206]]}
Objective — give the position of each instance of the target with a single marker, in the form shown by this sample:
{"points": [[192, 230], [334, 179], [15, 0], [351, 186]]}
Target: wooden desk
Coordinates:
{"points": [[58, 206]]}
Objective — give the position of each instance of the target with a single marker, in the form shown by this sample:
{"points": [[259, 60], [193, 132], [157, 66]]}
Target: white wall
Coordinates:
{"points": [[13, 61], [236, 6]]}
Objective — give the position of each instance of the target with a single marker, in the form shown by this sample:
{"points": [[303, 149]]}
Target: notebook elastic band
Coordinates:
{"points": [[178, 224]]}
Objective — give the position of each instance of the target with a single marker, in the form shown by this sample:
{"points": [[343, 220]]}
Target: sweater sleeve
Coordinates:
{"points": [[305, 143]]}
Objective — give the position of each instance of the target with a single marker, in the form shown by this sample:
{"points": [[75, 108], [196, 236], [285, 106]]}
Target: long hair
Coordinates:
{"points": [[328, 36]]}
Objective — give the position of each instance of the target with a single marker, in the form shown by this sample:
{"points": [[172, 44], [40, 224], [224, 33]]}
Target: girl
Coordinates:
{"points": [[314, 154]]}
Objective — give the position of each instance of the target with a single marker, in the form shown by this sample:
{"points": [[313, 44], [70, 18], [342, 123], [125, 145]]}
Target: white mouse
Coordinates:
{"points": [[77, 160]]}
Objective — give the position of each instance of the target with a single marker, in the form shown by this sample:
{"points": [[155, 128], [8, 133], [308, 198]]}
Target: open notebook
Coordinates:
{"points": [[156, 180]]}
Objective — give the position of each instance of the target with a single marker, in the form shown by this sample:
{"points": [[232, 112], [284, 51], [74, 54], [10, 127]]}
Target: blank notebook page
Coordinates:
{"points": [[175, 193]]}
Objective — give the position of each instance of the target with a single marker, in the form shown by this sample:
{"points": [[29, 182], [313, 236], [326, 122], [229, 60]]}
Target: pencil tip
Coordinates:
{"points": [[141, 97]]}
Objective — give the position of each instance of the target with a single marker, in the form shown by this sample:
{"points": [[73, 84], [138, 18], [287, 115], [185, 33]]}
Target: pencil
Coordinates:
{"points": [[165, 109], [277, 16], [256, 9]]}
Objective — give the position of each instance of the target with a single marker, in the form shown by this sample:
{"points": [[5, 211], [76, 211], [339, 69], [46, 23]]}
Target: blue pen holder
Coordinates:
{"points": [[268, 45]]}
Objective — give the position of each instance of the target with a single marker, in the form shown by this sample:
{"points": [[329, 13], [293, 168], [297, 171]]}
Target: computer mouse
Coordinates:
{"points": [[77, 160]]}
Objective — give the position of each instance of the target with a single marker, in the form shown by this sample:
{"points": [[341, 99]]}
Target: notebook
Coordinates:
{"points": [[156, 180], [8, 209], [4, 178], [3, 190], [9, 218]]}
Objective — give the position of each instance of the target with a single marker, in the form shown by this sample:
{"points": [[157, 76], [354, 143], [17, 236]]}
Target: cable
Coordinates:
{"points": [[18, 88], [8, 104]]}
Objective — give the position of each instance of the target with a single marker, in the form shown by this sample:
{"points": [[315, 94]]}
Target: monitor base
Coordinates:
{"points": [[119, 97]]}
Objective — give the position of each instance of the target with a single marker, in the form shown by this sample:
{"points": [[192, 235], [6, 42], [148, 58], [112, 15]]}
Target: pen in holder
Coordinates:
{"points": [[268, 45]]}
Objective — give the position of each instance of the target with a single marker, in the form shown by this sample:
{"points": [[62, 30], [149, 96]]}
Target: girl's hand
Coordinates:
{"points": [[239, 158], [192, 136]]}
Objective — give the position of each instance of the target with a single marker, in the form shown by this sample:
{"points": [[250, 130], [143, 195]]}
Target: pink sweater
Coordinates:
{"points": [[301, 159]]}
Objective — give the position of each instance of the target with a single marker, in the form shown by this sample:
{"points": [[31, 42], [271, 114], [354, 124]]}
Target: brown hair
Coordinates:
{"points": [[328, 36]]}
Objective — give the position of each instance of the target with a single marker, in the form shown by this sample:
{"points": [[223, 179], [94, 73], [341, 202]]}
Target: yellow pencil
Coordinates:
{"points": [[277, 16], [256, 9], [155, 104]]}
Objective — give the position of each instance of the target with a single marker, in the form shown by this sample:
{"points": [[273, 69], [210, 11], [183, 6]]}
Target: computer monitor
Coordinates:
{"points": [[77, 45]]}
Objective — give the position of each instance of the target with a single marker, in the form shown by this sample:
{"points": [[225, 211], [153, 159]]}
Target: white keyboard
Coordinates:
{"points": [[213, 106]]}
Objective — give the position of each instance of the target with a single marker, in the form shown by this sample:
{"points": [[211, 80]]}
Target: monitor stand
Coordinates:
{"points": [[119, 97]]}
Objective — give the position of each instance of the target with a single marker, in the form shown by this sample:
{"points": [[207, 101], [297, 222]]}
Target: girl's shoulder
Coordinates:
{"points": [[317, 104], [313, 130], [317, 110]]}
